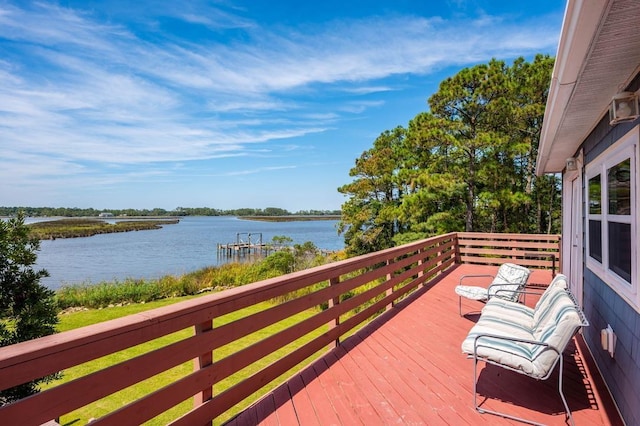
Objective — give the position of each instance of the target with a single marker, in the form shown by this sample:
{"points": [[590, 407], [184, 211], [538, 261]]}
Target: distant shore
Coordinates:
{"points": [[74, 228], [292, 218]]}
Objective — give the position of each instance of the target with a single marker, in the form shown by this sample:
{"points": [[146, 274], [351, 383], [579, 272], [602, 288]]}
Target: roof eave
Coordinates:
{"points": [[579, 29]]}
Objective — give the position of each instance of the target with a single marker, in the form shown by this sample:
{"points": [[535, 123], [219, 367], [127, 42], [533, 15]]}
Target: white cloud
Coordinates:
{"points": [[357, 107], [257, 170], [77, 91]]}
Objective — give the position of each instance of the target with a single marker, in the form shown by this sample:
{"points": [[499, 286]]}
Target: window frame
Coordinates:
{"points": [[596, 217], [625, 148]]}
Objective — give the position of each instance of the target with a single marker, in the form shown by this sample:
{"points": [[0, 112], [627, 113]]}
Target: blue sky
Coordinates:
{"points": [[228, 104]]}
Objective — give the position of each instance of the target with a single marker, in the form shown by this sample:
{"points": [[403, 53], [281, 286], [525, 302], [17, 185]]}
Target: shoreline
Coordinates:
{"points": [[292, 218]]}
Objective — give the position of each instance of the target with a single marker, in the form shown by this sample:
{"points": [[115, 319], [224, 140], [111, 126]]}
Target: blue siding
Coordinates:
{"points": [[603, 306]]}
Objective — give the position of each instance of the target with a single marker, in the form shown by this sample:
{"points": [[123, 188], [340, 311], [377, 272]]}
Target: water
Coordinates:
{"points": [[174, 249]]}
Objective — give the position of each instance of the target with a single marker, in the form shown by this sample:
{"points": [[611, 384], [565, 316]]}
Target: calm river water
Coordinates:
{"points": [[174, 249]]}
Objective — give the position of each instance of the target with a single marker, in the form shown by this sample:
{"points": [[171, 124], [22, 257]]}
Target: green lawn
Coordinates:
{"points": [[99, 408]]}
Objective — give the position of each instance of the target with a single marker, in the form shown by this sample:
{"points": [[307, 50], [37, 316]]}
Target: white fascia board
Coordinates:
{"points": [[579, 28]]}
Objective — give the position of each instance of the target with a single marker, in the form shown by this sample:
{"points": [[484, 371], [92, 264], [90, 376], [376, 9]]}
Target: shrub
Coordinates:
{"points": [[27, 308]]}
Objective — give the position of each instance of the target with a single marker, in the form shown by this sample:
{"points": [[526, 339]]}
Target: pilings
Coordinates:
{"points": [[243, 249], [252, 246]]}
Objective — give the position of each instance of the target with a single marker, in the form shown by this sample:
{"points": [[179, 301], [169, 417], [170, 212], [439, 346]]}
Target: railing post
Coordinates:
{"points": [[559, 253], [201, 362], [334, 301], [420, 271], [390, 289]]}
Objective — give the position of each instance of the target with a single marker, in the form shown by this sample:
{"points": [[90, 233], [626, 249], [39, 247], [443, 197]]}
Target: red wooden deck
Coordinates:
{"points": [[407, 368]]}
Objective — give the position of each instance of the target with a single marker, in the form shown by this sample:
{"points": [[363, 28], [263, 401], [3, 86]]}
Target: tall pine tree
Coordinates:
{"points": [[466, 165]]}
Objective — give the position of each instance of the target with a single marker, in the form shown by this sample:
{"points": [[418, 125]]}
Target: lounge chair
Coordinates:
{"points": [[525, 340], [508, 284]]}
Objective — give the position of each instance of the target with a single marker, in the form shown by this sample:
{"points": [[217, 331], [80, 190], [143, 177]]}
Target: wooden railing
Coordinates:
{"points": [[380, 278], [530, 250]]}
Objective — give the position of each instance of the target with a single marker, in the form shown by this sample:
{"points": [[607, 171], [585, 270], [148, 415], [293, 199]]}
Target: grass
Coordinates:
{"points": [[110, 293], [99, 408], [212, 278]]}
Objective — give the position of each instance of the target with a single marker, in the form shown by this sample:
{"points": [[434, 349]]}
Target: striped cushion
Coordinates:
{"points": [[541, 310], [510, 277], [523, 314], [554, 325], [511, 311], [507, 283], [513, 354], [511, 273], [472, 292]]}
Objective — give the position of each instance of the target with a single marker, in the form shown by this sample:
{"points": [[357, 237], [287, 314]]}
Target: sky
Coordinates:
{"points": [[228, 103]]}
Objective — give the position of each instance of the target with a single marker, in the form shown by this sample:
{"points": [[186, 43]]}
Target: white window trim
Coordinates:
{"points": [[624, 148]]}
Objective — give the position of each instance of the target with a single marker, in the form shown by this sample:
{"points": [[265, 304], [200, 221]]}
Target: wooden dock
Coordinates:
{"points": [[244, 249], [246, 244]]}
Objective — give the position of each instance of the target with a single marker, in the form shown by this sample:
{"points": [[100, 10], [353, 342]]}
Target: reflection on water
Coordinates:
{"points": [[174, 249]]}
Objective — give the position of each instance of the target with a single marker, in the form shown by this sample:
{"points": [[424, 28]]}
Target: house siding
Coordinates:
{"points": [[603, 306]]}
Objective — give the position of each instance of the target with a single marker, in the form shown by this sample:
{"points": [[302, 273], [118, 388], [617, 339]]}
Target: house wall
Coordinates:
{"points": [[603, 306]]}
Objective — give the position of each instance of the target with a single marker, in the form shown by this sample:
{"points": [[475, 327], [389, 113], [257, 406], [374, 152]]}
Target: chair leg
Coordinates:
{"points": [[564, 400], [475, 384], [498, 413]]}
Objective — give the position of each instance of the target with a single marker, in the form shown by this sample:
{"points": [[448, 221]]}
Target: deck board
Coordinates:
{"points": [[333, 389], [406, 367]]}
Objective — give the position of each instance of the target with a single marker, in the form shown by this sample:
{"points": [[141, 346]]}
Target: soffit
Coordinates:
{"points": [[610, 64]]}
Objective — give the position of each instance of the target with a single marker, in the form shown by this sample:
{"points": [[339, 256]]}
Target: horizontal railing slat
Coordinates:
{"points": [[487, 236], [506, 251], [496, 261], [520, 245]]}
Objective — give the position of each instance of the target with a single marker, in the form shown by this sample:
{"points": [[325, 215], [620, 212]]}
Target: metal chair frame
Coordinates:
{"points": [[559, 361]]}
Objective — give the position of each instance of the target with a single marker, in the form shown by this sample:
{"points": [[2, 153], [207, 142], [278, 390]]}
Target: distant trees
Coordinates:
{"points": [[27, 308], [178, 211], [467, 164], [79, 212]]}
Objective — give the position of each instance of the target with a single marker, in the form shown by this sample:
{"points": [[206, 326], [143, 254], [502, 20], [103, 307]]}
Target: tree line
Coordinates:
{"points": [[467, 164], [178, 211]]}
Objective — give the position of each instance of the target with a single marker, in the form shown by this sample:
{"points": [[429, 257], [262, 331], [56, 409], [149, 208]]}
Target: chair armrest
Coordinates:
{"points": [[475, 276], [494, 289], [510, 339], [525, 292]]}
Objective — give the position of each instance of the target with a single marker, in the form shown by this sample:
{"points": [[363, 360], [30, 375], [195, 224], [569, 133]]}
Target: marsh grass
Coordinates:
{"points": [[73, 228], [213, 278], [110, 293]]}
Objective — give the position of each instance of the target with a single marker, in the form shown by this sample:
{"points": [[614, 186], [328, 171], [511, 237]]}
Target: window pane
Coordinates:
{"points": [[594, 195], [595, 240], [618, 184], [620, 249]]}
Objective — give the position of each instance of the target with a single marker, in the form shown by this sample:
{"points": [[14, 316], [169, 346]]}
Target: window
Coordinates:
{"points": [[619, 198], [595, 218], [612, 217]]}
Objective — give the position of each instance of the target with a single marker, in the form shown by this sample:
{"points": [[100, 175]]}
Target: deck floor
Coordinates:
{"points": [[407, 368]]}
